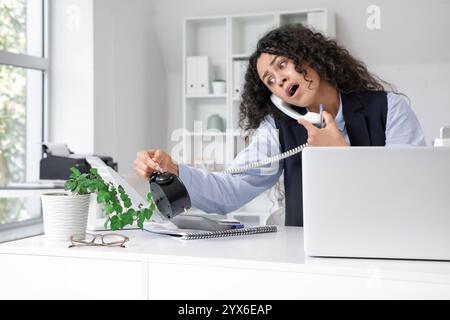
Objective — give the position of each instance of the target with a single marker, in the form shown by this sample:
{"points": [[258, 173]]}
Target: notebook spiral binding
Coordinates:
{"points": [[229, 233]]}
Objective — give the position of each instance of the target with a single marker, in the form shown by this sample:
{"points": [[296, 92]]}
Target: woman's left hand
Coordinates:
{"points": [[326, 137]]}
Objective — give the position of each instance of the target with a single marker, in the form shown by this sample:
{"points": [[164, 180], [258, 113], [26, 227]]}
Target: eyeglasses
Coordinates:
{"points": [[104, 240]]}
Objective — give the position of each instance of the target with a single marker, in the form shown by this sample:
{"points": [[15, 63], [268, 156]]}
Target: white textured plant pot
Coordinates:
{"points": [[65, 215]]}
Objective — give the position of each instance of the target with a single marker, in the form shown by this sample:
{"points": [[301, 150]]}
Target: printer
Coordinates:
{"points": [[58, 159]]}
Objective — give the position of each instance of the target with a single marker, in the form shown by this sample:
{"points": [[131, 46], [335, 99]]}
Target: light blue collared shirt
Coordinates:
{"points": [[217, 192]]}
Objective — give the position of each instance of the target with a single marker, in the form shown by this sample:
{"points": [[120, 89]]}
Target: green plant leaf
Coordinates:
{"points": [[101, 186], [75, 172], [141, 218], [100, 196], [70, 185], [93, 185], [127, 203], [118, 208], [128, 218], [106, 196], [140, 224], [122, 222], [115, 223], [108, 208], [124, 197]]}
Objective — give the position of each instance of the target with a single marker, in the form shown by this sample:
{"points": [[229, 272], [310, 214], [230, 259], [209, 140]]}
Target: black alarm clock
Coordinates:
{"points": [[170, 195]]}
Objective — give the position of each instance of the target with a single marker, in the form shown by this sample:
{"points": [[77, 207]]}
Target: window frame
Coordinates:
{"points": [[33, 226]]}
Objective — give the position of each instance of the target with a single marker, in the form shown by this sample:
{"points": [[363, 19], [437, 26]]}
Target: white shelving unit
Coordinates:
{"points": [[228, 42]]}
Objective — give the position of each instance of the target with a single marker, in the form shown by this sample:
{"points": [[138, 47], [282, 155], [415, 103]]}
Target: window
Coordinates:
{"points": [[23, 84]]}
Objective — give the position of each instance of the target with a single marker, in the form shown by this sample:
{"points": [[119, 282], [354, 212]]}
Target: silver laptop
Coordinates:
{"points": [[377, 202]]}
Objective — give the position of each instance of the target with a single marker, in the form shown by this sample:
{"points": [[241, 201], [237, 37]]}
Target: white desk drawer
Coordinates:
{"points": [[45, 277], [203, 282]]}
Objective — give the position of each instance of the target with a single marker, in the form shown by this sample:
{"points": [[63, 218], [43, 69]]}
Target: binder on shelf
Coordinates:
{"points": [[203, 75], [239, 69], [191, 75], [198, 75]]}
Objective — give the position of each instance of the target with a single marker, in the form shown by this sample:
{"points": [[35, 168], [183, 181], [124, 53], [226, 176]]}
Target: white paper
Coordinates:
{"points": [[57, 149]]}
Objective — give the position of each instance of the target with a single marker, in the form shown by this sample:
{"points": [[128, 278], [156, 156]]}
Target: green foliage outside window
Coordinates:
{"points": [[13, 84]]}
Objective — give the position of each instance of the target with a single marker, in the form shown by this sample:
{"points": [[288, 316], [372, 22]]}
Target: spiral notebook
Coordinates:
{"points": [[190, 234]]}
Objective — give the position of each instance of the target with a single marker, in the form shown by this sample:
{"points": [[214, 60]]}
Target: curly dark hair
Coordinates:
{"points": [[332, 62]]}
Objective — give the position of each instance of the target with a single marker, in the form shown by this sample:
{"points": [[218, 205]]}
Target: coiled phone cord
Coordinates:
{"points": [[266, 161]]}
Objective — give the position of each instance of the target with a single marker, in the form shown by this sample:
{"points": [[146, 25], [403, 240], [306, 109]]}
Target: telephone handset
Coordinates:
{"points": [[315, 118]]}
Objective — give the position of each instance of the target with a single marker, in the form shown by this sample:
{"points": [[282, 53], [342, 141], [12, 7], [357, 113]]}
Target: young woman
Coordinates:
{"points": [[304, 69]]}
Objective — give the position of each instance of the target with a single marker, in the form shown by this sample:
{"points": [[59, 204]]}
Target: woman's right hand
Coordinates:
{"points": [[149, 161]]}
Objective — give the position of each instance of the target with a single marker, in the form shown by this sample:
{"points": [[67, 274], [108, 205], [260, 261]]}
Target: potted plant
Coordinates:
{"points": [[65, 214]]}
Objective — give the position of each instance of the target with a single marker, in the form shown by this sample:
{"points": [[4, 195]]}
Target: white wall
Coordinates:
{"points": [[71, 107], [411, 50], [108, 84], [130, 81]]}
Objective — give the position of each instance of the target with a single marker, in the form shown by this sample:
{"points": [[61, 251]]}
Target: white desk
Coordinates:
{"points": [[262, 266]]}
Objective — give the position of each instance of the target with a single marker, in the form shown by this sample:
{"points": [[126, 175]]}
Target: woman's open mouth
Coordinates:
{"points": [[292, 90]]}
